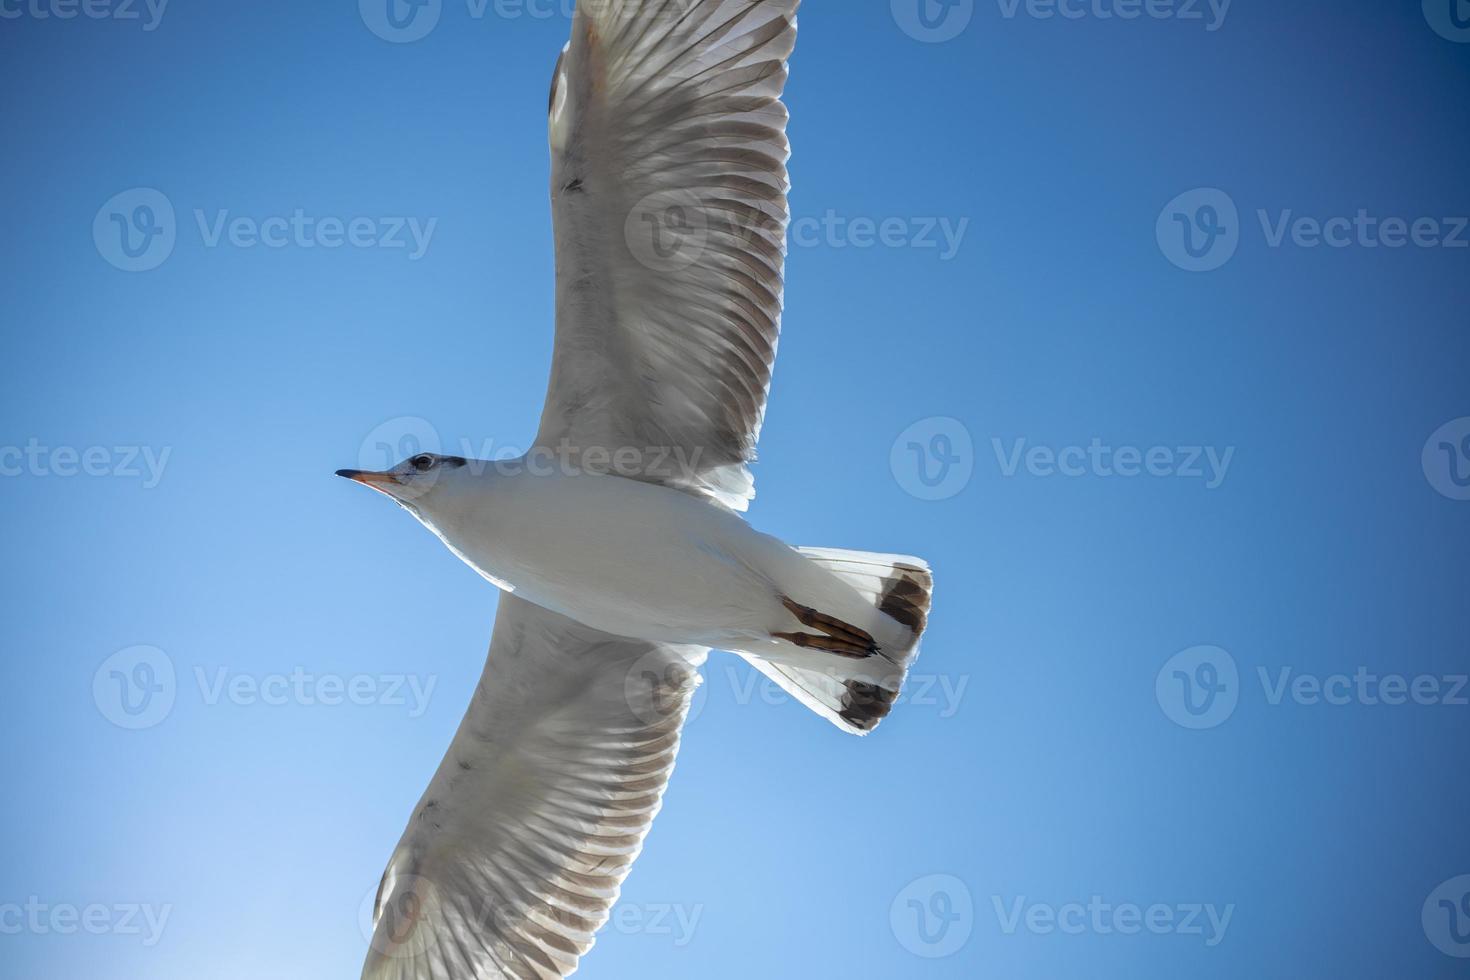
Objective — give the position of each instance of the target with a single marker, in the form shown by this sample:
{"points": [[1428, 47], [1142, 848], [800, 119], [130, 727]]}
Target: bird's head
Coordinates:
{"points": [[414, 483]]}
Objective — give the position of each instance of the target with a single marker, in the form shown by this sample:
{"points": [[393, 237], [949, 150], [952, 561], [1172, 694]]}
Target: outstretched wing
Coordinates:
{"points": [[516, 853], [668, 186]]}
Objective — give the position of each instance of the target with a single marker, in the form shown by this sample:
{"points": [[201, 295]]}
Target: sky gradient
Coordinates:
{"points": [[1149, 332]]}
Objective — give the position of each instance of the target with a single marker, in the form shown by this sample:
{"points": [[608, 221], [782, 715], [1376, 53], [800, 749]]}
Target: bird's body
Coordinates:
{"points": [[638, 559], [623, 562]]}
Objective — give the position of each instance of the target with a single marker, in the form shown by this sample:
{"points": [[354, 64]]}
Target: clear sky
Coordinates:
{"points": [[1201, 720]]}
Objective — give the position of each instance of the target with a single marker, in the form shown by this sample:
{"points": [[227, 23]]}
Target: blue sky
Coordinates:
{"points": [[1149, 332]]}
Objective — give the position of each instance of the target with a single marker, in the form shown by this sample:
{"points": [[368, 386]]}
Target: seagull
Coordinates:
{"points": [[618, 539]]}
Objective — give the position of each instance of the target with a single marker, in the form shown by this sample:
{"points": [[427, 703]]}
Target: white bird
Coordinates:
{"points": [[617, 538]]}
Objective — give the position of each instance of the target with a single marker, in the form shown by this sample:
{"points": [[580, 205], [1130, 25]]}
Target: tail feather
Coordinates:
{"points": [[856, 695]]}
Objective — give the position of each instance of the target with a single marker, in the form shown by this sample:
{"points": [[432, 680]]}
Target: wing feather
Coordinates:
{"points": [[517, 851], [669, 187]]}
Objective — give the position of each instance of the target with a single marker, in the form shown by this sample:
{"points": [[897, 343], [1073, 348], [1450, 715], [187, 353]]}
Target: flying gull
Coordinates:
{"points": [[617, 539]]}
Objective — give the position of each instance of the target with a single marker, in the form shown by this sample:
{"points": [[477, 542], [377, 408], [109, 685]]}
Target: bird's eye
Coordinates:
{"points": [[422, 463]]}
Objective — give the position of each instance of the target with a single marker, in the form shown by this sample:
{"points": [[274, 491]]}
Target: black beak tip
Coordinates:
{"points": [[348, 474]]}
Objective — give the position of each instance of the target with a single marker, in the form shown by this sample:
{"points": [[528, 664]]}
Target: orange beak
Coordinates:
{"points": [[382, 482]]}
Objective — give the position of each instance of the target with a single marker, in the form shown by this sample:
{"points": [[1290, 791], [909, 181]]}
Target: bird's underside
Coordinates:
{"points": [[669, 197]]}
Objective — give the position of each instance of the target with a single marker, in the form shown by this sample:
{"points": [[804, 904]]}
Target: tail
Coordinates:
{"points": [[883, 598]]}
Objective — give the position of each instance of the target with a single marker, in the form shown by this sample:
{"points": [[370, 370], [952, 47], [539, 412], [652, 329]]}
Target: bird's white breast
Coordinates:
{"points": [[623, 556]]}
